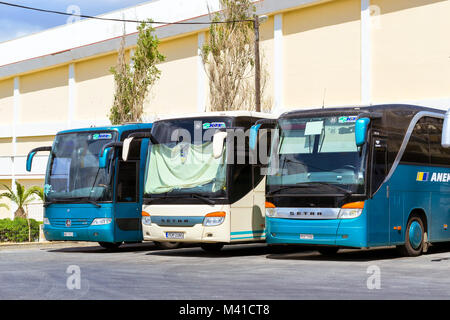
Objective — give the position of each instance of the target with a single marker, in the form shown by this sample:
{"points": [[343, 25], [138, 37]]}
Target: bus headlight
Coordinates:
{"points": [[351, 210], [46, 221], [146, 219], [271, 211], [101, 221], [214, 219]]}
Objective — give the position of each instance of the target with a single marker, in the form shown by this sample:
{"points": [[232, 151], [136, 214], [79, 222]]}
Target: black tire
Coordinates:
{"points": [[212, 247], [167, 245], [328, 251], [110, 245], [409, 249]]}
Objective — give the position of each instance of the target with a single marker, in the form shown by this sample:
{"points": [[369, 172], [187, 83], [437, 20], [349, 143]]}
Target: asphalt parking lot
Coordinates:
{"points": [[140, 271]]}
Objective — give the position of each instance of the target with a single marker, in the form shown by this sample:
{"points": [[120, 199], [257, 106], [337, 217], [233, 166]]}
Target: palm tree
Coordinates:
{"points": [[38, 191], [21, 197]]}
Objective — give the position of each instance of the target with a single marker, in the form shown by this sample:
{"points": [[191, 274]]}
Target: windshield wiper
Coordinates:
{"points": [[286, 187], [73, 200], [187, 195], [346, 192], [205, 199], [197, 196]]}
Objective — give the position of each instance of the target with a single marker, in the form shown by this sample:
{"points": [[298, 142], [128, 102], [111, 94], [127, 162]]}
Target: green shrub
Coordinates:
{"points": [[17, 230]]}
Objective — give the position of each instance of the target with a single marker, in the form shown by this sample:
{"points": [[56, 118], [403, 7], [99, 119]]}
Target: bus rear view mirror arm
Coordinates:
{"points": [[445, 142], [32, 153], [262, 122], [370, 115], [132, 137], [106, 150]]}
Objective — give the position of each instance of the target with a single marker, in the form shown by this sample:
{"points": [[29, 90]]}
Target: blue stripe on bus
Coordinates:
{"points": [[246, 232], [239, 238]]}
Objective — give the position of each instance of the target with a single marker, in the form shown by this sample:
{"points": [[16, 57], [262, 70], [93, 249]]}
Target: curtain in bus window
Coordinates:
{"points": [[183, 166]]}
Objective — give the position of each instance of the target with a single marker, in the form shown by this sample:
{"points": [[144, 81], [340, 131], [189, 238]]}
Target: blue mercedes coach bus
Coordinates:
{"points": [[90, 193], [359, 177]]}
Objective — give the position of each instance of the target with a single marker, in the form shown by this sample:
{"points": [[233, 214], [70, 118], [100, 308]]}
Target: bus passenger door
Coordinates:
{"points": [[259, 202], [396, 218], [378, 206], [128, 208]]}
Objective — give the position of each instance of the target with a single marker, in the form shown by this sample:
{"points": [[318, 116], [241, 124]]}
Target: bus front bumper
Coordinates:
{"points": [[101, 233], [194, 234], [333, 232]]}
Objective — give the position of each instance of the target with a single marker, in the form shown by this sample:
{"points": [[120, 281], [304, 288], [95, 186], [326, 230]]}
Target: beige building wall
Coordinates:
{"points": [[44, 96], [411, 53], [6, 101], [322, 47], [94, 88], [6, 147], [175, 92], [25, 144]]}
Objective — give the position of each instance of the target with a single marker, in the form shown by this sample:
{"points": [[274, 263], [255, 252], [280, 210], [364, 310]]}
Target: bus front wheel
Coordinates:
{"points": [[110, 245], [212, 247], [414, 238]]}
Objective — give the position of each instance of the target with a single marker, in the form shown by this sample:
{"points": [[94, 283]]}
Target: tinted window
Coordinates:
{"points": [[417, 150], [439, 155], [127, 187], [379, 163]]}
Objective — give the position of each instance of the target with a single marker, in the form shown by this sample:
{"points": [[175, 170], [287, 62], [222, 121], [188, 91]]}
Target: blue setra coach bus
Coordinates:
{"points": [[359, 177], [90, 193]]}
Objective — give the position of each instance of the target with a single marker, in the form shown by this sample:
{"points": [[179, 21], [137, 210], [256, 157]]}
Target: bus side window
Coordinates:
{"points": [[379, 163], [127, 182], [439, 155], [417, 151]]}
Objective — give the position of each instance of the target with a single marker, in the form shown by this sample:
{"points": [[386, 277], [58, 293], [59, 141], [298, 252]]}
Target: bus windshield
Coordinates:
{"points": [[73, 170], [182, 162], [317, 151]]}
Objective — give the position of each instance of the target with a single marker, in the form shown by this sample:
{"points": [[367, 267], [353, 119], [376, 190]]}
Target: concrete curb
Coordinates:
{"points": [[47, 243]]}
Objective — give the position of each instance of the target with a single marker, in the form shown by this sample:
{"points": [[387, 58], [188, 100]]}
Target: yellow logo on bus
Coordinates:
{"points": [[422, 176]]}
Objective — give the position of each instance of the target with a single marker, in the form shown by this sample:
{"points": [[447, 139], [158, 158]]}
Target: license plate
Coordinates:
{"points": [[68, 234], [174, 235], [307, 236]]}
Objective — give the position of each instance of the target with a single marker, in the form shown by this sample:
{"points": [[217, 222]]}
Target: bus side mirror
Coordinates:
{"points": [[361, 126], [126, 148], [32, 153], [266, 123], [106, 151], [30, 160], [218, 141], [103, 159], [253, 136], [445, 142], [138, 136]]}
